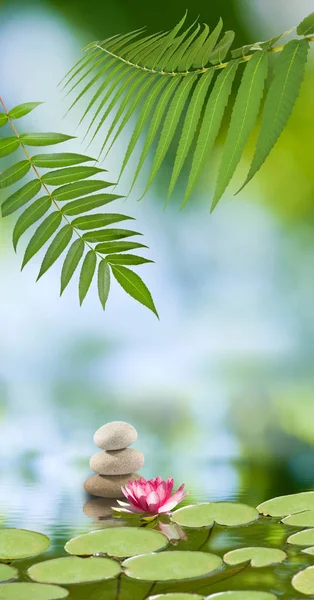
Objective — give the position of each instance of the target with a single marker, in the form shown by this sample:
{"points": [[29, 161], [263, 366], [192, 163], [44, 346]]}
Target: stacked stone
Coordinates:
{"points": [[116, 463]]}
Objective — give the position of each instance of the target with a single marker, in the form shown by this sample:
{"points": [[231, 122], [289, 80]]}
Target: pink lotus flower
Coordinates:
{"points": [[152, 496]]}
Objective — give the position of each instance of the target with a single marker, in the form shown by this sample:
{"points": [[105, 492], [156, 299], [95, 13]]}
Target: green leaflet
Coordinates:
{"points": [[222, 49], [23, 109], [211, 122], [93, 80], [21, 197], [8, 145], [243, 119], [306, 27], [127, 259], [202, 57], [71, 262], [14, 173], [32, 214], [168, 40], [114, 247], [134, 286], [194, 49], [173, 53], [179, 61], [69, 175], [105, 235], [87, 274], [75, 190], [98, 220], [44, 139], [172, 118], [78, 81], [42, 234], [56, 248], [77, 207], [99, 91], [62, 159], [280, 100], [190, 124], [155, 122], [3, 119], [103, 282]]}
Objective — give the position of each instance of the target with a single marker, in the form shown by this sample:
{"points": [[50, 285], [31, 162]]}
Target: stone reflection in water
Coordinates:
{"points": [[99, 508]]}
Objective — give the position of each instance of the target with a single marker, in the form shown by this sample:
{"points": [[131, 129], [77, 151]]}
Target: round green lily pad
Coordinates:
{"points": [[7, 573], [176, 596], [72, 569], [31, 591], [302, 538], [171, 566], [239, 595], [208, 513], [304, 581], [287, 505], [21, 543], [309, 551], [257, 556], [303, 519], [121, 542]]}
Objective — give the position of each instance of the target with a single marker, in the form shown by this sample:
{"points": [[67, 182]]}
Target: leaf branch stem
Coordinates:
{"points": [[243, 59]]}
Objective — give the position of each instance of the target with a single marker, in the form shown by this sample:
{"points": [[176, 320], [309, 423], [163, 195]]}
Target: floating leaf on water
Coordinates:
{"points": [[242, 595], [309, 550], [176, 596], [172, 566], [256, 556], [31, 591], [304, 581], [302, 538], [208, 513], [123, 542], [7, 573], [72, 569], [21, 543], [287, 505], [303, 519]]}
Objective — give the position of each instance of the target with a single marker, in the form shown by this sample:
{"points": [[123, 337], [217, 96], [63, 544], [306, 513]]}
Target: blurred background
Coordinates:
{"points": [[221, 389]]}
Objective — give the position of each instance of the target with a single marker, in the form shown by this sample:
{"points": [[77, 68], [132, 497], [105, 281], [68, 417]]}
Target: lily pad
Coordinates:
{"points": [[7, 573], [304, 581], [72, 569], [302, 538], [240, 595], [207, 513], [257, 556], [303, 519], [309, 551], [287, 505], [122, 542], [172, 566], [21, 543], [31, 591], [176, 596]]}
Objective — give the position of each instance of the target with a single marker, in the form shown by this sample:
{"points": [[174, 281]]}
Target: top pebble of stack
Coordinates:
{"points": [[115, 436]]}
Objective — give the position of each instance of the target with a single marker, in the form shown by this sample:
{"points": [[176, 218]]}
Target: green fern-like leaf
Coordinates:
{"points": [[68, 190], [174, 78]]}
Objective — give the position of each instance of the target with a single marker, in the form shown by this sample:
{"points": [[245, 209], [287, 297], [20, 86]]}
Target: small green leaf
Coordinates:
{"points": [[172, 566], [304, 581], [77, 207], [32, 214], [69, 175], [120, 542], [73, 570], [113, 247], [302, 538], [80, 188], [306, 27], [23, 109], [3, 119], [61, 159], [203, 56], [8, 145], [71, 262], [44, 139], [176, 596], [287, 505], [255, 556], [242, 595], [21, 197], [56, 248], [107, 235], [32, 591], [87, 274], [16, 544], [42, 234], [7, 573], [98, 220], [222, 49], [103, 282], [127, 259], [302, 519], [134, 286], [205, 514], [14, 173]]}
